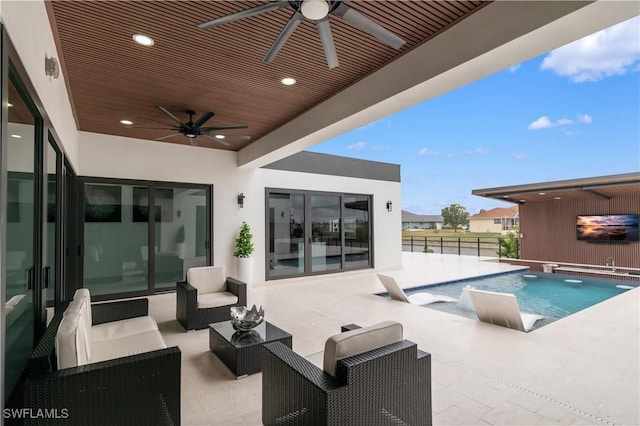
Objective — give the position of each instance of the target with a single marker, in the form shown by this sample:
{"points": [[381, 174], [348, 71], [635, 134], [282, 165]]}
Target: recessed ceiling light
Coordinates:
{"points": [[522, 201], [557, 198], [220, 136], [9, 104], [542, 193], [288, 81], [126, 122], [143, 39], [16, 136]]}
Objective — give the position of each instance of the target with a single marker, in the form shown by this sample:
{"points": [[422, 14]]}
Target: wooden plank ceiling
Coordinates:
{"points": [[111, 78]]}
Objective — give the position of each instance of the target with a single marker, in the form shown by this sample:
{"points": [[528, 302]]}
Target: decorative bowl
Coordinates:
{"points": [[244, 319]]}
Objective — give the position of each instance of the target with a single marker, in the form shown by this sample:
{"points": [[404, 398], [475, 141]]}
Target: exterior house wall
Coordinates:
{"points": [[485, 225], [109, 156], [549, 232], [421, 225]]}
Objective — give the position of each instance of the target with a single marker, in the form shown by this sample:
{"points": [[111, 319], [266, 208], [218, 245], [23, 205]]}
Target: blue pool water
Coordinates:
{"points": [[553, 295]]}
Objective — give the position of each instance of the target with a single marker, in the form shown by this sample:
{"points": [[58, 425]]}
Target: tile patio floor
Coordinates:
{"points": [[581, 370]]}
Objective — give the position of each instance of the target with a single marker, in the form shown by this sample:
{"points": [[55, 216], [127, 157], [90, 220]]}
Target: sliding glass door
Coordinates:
{"points": [[20, 304], [313, 233], [326, 235], [141, 237]]}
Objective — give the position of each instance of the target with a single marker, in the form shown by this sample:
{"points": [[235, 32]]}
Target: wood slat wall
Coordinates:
{"points": [[549, 232]]}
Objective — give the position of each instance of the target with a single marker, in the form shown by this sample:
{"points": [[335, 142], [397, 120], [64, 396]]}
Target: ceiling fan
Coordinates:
{"points": [[192, 129], [317, 11]]}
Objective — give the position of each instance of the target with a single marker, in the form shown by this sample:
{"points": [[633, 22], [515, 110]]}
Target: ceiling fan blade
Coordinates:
{"points": [[229, 127], [153, 128], [220, 141], [244, 14], [205, 117], [229, 135], [283, 37], [168, 136], [365, 24], [324, 30], [147, 119], [173, 117]]}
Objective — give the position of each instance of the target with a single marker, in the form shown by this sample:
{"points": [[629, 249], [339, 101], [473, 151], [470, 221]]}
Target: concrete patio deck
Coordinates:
{"points": [[581, 370]]}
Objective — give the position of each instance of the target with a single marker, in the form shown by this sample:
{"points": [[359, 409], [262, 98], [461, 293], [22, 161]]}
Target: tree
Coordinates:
{"points": [[455, 216], [511, 244]]}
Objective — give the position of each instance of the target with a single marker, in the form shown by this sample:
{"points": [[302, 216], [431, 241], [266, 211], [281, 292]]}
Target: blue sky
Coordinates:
{"points": [[571, 113]]}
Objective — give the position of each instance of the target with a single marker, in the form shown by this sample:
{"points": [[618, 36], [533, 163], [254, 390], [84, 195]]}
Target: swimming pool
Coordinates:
{"points": [[553, 295]]}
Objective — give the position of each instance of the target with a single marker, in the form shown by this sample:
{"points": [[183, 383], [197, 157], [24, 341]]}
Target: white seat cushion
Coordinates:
{"points": [[207, 279], [83, 293], [358, 341], [213, 300], [70, 341], [125, 346], [123, 328], [81, 306]]}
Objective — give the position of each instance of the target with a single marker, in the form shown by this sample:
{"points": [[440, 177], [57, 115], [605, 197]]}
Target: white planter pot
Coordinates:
{"points": [[182, 250], [245, 269]]}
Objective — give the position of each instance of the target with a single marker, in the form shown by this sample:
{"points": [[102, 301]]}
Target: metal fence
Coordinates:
{"points": [[448, 245]]}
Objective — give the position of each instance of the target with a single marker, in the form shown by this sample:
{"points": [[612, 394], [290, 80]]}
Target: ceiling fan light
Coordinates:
{"points": [[314, 9], [190, 135]]}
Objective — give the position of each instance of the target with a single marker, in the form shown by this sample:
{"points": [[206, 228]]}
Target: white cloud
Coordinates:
{"points": [[481, 151], [427, 151], [357, 145], [585, 118], [541, 123], [545, 122], [613, 51], [519, 156], [514, 68]]}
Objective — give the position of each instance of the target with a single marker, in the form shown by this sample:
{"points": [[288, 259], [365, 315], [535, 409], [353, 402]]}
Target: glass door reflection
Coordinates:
{"points": [[286, 235], [20, 239], [326, 241]]}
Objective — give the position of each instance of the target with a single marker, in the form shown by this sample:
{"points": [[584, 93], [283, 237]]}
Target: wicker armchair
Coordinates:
{"points": [[136, 390], [193, 312], [390, 385]]}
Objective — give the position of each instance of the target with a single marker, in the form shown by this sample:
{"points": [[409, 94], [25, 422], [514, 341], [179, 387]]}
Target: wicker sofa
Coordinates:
{"points": [[140, 389], [206, 296], [388, 385]]}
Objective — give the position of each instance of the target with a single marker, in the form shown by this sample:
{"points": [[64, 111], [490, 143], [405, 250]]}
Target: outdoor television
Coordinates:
{"points": [[611, 227]]}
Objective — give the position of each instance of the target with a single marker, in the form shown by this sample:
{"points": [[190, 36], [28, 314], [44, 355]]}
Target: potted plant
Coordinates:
{"points": [[243, 251], [180, 245]]}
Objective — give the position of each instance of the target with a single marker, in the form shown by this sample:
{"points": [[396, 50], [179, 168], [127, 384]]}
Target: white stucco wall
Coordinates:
{"points": [[117, 157], [28, 27]]}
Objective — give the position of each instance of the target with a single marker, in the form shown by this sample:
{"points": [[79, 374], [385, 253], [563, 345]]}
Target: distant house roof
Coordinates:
{"points": [[498, 212], [412, 217]]}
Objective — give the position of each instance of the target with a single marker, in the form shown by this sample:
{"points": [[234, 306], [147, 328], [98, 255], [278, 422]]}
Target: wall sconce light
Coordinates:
{"points": [[51, 67], [389, 206], [241, 200]]}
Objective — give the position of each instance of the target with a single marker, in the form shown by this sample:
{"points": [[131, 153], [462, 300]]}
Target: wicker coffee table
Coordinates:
{"points": [[240, 351]]}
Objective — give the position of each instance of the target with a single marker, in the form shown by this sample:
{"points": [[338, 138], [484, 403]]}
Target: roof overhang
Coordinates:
{"points": [[602, 187], [519, 31]]}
